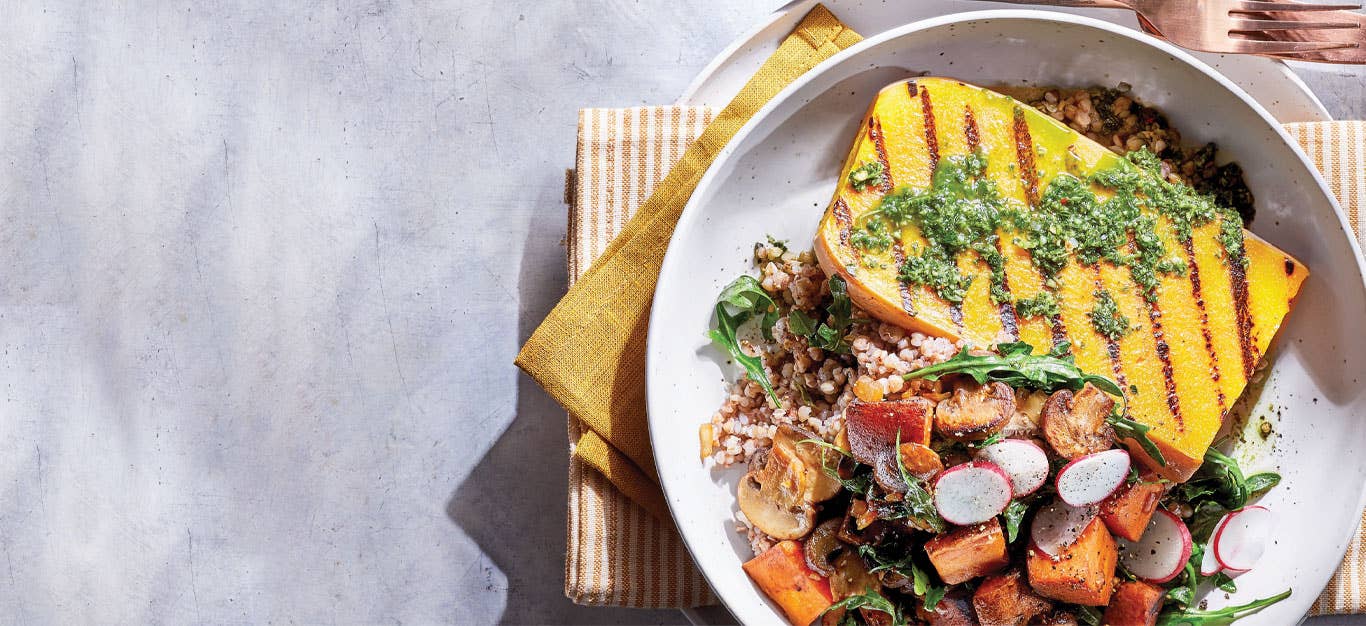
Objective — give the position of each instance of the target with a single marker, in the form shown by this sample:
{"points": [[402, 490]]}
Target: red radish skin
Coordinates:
{"points": [[1241, 538], [972, 493], [1023, 460], [1163, 551], [1209, 565], [1058, 525], [1092, 478]]}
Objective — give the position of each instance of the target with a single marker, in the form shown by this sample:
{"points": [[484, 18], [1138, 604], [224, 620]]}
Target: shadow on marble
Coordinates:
{"points": [[514, 502]]}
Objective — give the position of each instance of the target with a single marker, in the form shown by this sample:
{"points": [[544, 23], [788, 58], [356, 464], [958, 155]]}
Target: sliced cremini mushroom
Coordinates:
{"points": [[1074, 423], [852, 577], [974, 411], [822, 545], [772, 495], [821, 486], [1024, 423], [920, 463]]}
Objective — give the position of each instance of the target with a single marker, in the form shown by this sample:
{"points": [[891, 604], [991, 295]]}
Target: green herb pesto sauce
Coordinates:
{"points": [[962, 213], [1106, 318], [1043, 304]]}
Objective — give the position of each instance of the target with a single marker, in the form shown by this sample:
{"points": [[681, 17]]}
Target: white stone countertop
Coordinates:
{"points": [[263, 270]]}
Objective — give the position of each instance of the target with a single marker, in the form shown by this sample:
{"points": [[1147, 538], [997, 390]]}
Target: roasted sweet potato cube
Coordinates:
{"points": [[1135, 604], [1007, 600], [968, 552], [872, 427], [1128, 512], [783, 575], [1083, 573]]}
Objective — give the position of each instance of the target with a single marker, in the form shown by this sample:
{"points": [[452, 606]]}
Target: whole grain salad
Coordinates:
{"points": [[990, 392]]}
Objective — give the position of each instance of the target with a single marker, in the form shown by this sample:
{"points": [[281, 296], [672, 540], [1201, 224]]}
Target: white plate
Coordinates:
{"points": [[1270, 82], [776, 178]]}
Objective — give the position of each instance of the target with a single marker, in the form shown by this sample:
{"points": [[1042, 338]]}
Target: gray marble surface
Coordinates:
{"points": [[265, 267]]}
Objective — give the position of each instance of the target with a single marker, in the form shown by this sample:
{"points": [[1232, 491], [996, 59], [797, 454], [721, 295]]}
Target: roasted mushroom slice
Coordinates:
{"points": [[920, 463], [822, 545], [772, 495], [852, 577], [1025, 422], [1074, 423], [974, 411], [821, 486]]}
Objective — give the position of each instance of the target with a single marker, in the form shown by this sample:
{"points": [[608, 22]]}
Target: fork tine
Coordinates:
{"points": [[1258, 46], [1256, 5], [1255, 25]]}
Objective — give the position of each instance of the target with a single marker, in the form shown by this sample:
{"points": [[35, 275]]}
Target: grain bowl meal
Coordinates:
{"points": [[990, 392]]}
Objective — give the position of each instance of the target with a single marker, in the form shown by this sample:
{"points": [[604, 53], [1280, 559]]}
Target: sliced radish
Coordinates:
{"points": [[1209, 565], [1023, 460], [1162, 552], [1058, 525], [1092, 478], [1242, 536], [972, 492]]}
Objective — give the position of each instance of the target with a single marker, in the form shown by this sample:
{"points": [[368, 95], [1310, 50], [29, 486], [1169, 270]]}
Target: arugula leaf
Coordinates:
{"points": [[918, 503], [1206, 517], [1013, 515], [1262, 481], [1089, 615], [906, 566], [800, 323], [1220, 480], [933, 595], [1129, 429], [991, 439], [1218, 617], [1018, 366], [748, 297], [746, 294], [871, 600], [1225, 583], [827, 336], [868, 174]]}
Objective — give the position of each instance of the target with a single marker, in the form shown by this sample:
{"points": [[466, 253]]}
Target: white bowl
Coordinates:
{"points": [[777, 175]]}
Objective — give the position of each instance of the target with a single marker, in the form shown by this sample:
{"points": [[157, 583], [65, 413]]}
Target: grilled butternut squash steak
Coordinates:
{"points": [[966, 214]]}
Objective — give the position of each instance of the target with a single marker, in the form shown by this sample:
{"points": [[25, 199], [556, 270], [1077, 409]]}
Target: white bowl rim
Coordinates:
{"points": [[690, 210]]}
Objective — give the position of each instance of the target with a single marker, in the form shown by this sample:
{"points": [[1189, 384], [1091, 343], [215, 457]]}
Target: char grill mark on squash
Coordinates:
{"points": [[1164, 355], [1111, 344], [1029, 179], [899, 254], [931, 135], [1237, 275], [846, 223], [1024, 154], [932, 150], [1193, 270], [1163, 350], [1008, 321], [880, 145]]}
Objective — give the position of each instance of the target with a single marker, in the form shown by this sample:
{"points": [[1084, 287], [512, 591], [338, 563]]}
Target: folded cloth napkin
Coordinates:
{"points": [[621, 554], [589, 353]]}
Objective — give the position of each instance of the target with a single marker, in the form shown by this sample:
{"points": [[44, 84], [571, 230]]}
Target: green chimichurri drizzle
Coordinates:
{"points": [[1106, 318], [962, 213]]}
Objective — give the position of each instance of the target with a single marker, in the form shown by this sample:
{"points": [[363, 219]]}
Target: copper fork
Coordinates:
{"points": [[1235, 26]]}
